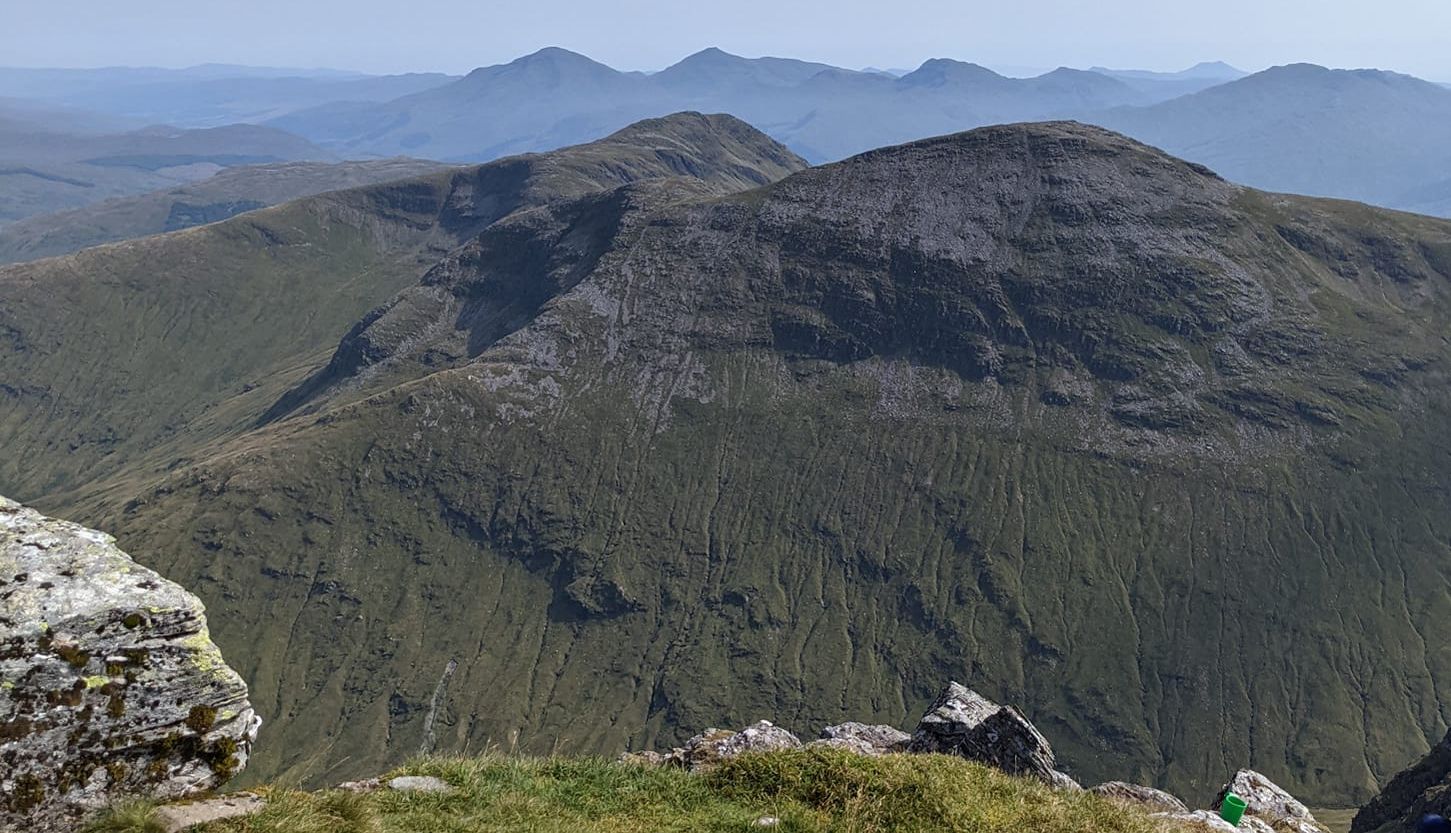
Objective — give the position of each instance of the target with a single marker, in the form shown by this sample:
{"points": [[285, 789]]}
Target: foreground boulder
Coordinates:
{"points": [[1147, 797], [964, 723], [1424, 787], [1264, 800], [111, 685]]}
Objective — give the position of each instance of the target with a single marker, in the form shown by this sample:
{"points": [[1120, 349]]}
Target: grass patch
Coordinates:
{"points": [[129, 816], [809, 791]]}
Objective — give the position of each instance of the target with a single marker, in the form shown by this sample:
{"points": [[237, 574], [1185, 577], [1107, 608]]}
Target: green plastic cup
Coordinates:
{"points": [[1232, 808]]}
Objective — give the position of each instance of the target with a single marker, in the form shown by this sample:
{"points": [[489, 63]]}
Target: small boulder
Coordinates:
{"points": [[366, 785], [1200, 818], [715, 745], [1148, 797], [1059, 780], [878, 738], [651, 758], [418, 784], [964, 723], [177, 817], [1265, 799]]}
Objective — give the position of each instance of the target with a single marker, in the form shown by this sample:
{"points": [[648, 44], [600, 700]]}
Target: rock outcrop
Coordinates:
{"points": [[1266, 801], [864, 739], [111, 684], [962, 722], [1126, 793], [959, 722], [1199, 819], [715, 745], [1424, 787]]}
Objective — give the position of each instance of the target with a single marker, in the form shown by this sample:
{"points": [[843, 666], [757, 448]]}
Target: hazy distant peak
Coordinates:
{"points": [[1304, 73], [549, 56], [1078, 75], [1202, 71], [938, 71], [711, 54], [1213, 69], [714, 65]]}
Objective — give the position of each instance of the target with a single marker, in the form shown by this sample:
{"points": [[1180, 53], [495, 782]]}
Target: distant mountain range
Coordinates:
{"points": [[1368, 135], [46, 168], [1198, 77], [228, 193], [205, 96], [556, 97], [69, 138], [1363, 134]]}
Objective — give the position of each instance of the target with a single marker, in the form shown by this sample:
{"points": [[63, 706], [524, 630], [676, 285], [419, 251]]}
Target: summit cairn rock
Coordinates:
{"points": [[1265, 800], [964, 723], [109, 683]]}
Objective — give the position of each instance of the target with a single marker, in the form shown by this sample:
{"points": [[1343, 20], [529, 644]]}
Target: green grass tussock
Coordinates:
{"points": [[807, 790], [129, 816]]}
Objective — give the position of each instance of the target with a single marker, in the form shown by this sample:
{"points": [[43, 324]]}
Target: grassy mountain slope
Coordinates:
{"points": [[128, 358], [215, 198], [1155, 456]]}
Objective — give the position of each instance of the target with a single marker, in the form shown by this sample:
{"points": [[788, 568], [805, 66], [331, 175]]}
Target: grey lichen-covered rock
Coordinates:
{"points": [[878, 739], [1266, 800], [1126, 793], [1202, 819], [418, 784], [109, 683], [715, 745], [962, 722]]}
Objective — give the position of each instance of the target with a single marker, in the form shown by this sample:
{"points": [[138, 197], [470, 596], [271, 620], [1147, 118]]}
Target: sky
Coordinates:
{"points": [[1410, 36]]}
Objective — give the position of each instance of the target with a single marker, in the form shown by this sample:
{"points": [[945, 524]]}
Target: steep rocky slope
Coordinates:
{"points": [[133, 357], [1421, 788], [1154, 456]]}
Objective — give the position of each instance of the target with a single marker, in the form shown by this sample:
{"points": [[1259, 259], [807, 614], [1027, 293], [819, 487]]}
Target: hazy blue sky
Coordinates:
{"points": [[452, 35]]}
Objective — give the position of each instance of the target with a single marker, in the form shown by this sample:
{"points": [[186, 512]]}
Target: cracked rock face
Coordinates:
{"points": [[964, 723], [109, 682]]}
